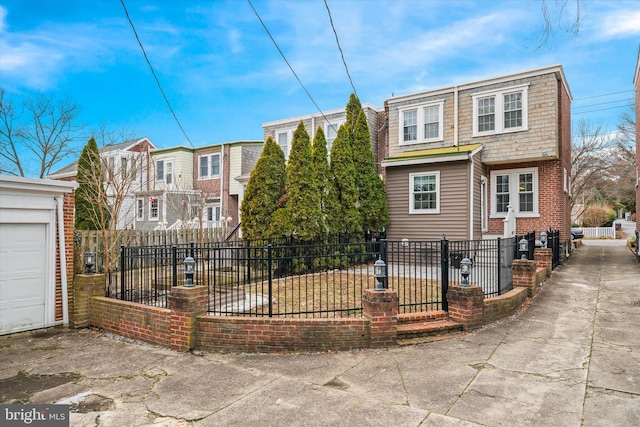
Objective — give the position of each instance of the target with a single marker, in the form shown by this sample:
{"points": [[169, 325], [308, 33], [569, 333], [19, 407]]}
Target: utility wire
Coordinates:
{"points": [[285, 60], [603, 103], [340, 49], [601, 109], [606, 94], [154, 74]]}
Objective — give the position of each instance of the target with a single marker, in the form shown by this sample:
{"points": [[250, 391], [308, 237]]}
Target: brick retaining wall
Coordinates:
{"points": [[502, 306]]}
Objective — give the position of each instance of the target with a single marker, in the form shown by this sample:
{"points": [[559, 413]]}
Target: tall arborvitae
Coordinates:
{"points": [[371, 191], [302, 214], [89, 214], [326, 186], [264, 190], [372, 199], [343, 172]]}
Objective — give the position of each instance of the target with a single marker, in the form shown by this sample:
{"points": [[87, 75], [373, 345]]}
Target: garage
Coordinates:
{"points": [[33, 283]]}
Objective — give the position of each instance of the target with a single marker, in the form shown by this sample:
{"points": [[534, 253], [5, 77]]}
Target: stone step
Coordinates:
{"points": [[429, 329]]}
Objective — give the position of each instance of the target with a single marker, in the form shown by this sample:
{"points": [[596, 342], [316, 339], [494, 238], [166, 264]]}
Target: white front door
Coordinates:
{"points": [[23, 277]]}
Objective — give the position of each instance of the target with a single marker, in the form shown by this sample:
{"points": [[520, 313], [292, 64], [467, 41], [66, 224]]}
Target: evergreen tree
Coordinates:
{"points": [[371, 192], [302, 213], [344, 172], [326, 187], [372, 199], [264, 190], [89, 214]]}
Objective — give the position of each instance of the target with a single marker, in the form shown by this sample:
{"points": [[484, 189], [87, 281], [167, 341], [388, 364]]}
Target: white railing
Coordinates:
{"points": [[599, 232], [510, 222]]}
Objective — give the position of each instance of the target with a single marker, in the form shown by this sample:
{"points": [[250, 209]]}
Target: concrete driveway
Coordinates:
{"points": [[572, 358]]}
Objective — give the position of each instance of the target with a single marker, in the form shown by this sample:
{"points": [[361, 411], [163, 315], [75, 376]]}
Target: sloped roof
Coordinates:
{"points": [[72, 168], [433, 155]]}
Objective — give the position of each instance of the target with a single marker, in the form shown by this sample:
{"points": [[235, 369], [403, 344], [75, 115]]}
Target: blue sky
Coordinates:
{"points": [[224, 77]]}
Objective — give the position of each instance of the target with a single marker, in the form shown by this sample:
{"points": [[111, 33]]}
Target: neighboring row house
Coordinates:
{"points": [[460, 160], [177, 187], [329, 121]]}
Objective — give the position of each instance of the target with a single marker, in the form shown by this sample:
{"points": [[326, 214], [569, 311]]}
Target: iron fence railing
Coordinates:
{"points": [[293, 279]]}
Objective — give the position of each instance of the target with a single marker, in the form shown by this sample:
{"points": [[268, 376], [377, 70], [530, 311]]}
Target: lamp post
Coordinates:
{"points": [[523, 247], [543, 238], [89, 261], [189, 269], [465, 270], [380, 272]]}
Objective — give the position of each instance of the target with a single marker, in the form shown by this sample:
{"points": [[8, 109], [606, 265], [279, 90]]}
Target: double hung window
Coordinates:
{"points": [[422, 123], [424, 192], [517, 188], [500, 111], [209, 166]]}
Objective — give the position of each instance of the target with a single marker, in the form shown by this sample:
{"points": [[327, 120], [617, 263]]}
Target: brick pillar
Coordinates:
{"points": [[466, 305], [524, 275], [85, 286], [544, 259], [185, 304], [381, 309]]}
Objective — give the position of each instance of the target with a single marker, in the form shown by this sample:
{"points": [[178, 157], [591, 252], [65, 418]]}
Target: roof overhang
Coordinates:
{"points": [[36, 185], [433, 155]]}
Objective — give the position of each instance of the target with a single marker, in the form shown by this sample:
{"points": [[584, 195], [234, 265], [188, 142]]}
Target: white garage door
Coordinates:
{"points": [[23, 283]]}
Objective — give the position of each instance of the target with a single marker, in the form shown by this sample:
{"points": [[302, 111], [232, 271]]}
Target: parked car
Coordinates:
{"points": [[576, 233]]}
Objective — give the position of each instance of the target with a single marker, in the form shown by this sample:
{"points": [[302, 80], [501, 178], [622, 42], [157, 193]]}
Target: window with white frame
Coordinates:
{"points": [[284, 140], [123, 168], [212, 210], [139, 209], [209, 166], [153, 208], [168, 174], [515, 187], [424, 192], [421, 123], [160, 170], [500, 111], [331, 132]]}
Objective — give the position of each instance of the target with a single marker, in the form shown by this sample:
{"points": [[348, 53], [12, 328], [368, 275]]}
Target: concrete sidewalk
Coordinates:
{"points": [[572, 358]]}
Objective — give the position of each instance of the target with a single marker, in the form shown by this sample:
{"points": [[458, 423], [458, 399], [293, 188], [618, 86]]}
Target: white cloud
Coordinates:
{"points": [[621, 23]]}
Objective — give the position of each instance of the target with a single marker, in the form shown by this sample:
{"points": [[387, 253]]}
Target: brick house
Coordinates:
{"points": [[462, 158]]}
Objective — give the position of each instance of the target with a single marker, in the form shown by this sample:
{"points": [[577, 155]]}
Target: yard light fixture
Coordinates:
{"points": [[189, 269], [380, 272], [523, 247], [89, 261], [543, 238], [465, 270]]}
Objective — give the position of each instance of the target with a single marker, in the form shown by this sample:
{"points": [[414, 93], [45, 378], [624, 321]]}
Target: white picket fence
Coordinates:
{"points": [[599, 232]]}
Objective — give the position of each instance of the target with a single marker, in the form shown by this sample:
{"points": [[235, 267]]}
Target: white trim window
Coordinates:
{"points": [[331, 132], [515, 187], [139, 209], [209, 166], [164, 171], [422, 123], [424, 193], [501, 111], [153, 209], [284, 141]]}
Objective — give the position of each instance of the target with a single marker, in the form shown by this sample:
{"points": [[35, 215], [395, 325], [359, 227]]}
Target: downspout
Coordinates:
{"points": [[63, 261], [471, 192], [455, 115], [224, 170]]}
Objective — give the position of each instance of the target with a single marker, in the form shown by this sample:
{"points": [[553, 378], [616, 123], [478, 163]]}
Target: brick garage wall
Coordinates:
{"points": [[272, 335], [132, 320], [502, 306], [68, 216]]}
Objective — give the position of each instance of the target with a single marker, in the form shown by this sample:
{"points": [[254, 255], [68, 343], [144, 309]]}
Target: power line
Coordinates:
{"points": [[154, 74], [340, 49], [603, 103], [290, 67], [606, 94], [602, 109]]}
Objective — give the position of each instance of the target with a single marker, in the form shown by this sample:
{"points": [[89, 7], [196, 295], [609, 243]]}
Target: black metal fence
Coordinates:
{"points": [[288, 278], [638, 245]]}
